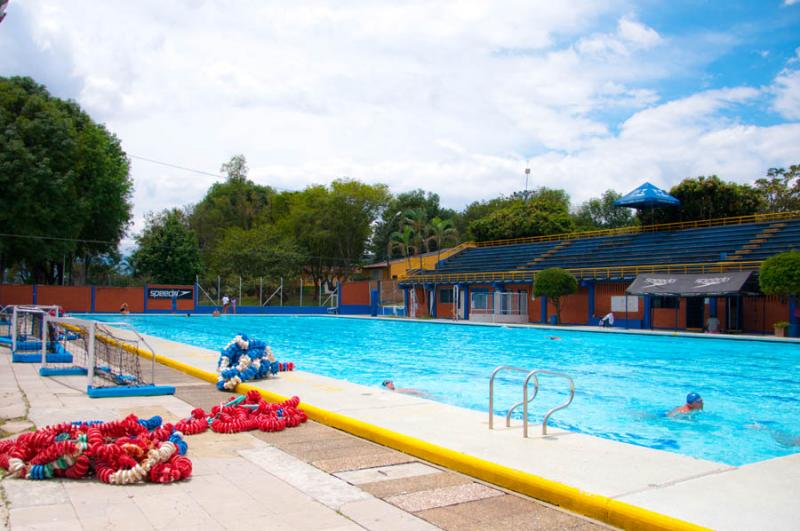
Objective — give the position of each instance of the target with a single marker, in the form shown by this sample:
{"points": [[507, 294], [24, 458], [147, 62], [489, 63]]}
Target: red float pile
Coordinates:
{"points": [[118, 452], [247, 413], [133, 450]]}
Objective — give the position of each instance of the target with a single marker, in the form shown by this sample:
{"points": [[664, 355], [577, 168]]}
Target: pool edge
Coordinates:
{"points": [[598, 507]]}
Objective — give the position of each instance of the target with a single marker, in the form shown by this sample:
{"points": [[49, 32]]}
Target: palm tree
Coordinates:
{"points": [[417, 220], [401, 240], [442, 233]]}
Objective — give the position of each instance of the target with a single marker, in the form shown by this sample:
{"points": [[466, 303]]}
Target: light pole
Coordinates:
{"points": [[527, 173]]}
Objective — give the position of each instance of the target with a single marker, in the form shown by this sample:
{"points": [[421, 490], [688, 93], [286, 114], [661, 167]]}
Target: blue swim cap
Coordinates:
{"points": [[691, 398]]}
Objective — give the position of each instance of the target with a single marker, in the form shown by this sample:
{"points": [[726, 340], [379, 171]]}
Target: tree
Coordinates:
{"points": [[781, 189], [392, 216], [780, 274], [545, 212], [65, 184], [477, 210], [167, 249], [333, 225], [260, 252], [600, 213], [555, 283], [417, 220], [236, 168], [237, 202], [402, 241], [708, 198], [442, 233]]}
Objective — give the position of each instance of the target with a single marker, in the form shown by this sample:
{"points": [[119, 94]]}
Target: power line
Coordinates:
{"points": [[161, 246], [169, 164], [193, 170]]}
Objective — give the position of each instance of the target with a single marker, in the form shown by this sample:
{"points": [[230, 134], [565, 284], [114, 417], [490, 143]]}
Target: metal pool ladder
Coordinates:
{"points": [[531, 375]]}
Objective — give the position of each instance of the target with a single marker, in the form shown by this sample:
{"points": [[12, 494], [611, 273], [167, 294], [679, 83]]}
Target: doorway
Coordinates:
{"points": [[695, 309]]}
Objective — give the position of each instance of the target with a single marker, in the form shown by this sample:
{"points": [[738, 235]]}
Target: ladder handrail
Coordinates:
{"points": [[491, 388], [515, 406], [533, 374]]}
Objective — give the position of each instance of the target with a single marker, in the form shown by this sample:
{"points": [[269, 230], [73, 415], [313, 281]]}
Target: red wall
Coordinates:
{"points": [[355, 292], [422, 302], [110, 299], [761, 315], [602, 300], [71, 298], [16, 294], [574, 308]]}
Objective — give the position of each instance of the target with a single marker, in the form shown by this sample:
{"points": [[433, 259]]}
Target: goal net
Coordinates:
{"points": [[114, 359], [6, 313], [499, 306], [27, 332]]}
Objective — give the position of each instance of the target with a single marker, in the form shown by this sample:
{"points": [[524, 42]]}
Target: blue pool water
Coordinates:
{"points": [[624, 383]]}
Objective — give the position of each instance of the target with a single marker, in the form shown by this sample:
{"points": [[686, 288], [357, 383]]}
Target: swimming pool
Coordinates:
{"points": [[624, 382]]}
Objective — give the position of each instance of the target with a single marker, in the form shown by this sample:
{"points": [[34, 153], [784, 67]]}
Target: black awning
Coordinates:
{"points": [[698, 285]]}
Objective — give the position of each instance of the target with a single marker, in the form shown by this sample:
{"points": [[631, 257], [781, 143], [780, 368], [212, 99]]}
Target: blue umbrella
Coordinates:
{"points": [[647, 196]]}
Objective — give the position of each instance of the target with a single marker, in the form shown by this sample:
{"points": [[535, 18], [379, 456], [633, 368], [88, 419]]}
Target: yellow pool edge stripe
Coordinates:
{"points": [[598, 507]]}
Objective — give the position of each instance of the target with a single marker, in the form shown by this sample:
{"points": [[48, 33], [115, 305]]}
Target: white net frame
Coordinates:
{"points": [[499, 306], [114, 358]]}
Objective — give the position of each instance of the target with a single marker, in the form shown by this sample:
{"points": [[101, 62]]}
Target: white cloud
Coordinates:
{"points": [[453, 98], [790, 2], [787, 94]]}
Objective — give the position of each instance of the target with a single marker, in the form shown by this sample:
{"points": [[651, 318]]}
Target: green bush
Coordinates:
{"points": [[780, 274], [555, 283]]}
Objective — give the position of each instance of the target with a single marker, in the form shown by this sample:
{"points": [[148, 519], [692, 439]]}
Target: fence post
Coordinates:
{"points": [[281, 292], [301, 290], [240, 290], [260, 290], [218, 290]]}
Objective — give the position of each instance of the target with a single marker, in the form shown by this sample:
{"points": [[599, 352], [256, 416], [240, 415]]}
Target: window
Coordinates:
{"points": [[666, 302], [480, 299], [446, 295]]}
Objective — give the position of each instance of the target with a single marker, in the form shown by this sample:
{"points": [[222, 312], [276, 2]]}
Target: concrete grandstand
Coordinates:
{"points": [[606, 263]]}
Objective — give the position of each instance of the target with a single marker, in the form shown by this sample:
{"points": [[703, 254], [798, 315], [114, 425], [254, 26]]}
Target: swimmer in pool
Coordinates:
{"points": [[694, 402], [388, 384]]}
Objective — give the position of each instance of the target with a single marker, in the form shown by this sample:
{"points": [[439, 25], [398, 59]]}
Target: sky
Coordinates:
{"points": [[457, 98]]}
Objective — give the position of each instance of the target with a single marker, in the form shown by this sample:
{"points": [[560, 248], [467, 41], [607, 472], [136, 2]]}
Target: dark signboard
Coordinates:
{"points": [[169, 293]]}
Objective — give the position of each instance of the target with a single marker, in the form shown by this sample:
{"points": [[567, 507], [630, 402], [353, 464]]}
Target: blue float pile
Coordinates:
{"points": [[244, 359]]}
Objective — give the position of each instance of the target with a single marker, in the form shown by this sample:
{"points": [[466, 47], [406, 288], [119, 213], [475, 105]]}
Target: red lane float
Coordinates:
{"points": [[134, 450]]}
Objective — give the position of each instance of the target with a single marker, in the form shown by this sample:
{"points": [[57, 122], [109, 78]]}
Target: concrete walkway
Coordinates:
{"points": [[702, 492], [306, 478]]}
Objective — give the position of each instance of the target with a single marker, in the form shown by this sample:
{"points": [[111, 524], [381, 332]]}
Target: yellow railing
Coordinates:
{"points": [[736, 220], [587, 272], [399, 268]]}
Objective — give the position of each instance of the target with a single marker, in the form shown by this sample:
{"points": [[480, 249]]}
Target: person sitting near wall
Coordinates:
{"points": [[607, 320], [124, 309], [712, 325], [388, 384]]}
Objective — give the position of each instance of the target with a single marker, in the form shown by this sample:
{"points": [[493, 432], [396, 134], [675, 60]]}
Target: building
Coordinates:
{"points": [[493, 280]]}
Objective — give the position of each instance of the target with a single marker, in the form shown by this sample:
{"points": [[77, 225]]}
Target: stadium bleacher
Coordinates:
{"points": [[722, 243]]}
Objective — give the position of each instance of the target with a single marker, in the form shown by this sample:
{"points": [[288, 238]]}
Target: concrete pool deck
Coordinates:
{"points": [[701, 492]]}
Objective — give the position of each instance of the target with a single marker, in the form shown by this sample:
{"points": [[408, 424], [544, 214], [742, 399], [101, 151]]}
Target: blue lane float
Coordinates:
{"points": [[246, 359]]}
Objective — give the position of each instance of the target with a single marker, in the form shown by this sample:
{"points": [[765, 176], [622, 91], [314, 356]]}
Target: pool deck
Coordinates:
{"points": [[702, 492]]}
